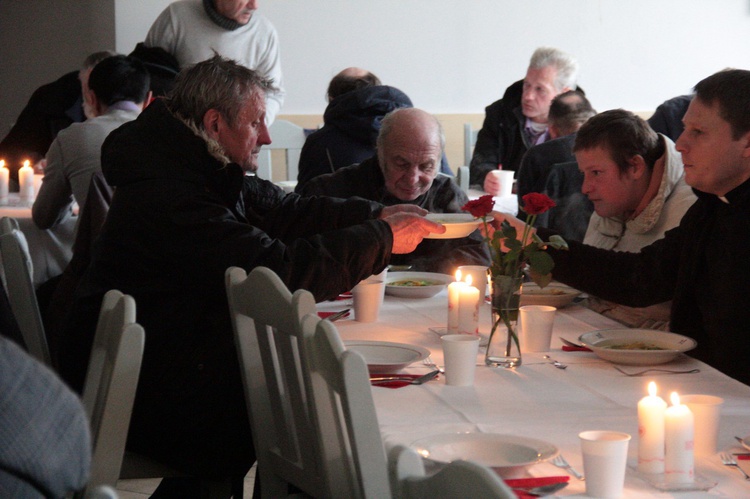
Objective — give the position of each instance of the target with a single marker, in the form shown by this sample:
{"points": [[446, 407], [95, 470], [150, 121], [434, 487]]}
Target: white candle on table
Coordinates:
{"points": [[26, 182], [678, 457], [651, 432], [468, 309], [4, 182], [453, 303]]}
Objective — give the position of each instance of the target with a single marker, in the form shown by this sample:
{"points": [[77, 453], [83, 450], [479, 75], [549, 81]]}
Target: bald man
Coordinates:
{"points": [[405, 170]]}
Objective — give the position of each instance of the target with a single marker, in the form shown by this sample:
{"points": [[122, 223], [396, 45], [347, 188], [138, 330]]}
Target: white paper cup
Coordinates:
{"points": [[536, 327], [605, 455], [368, 297], [706, 411], [460, 356], [478, 275], [505, 178]]}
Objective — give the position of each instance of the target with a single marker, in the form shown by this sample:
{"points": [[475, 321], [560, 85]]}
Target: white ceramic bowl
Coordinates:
{"points": [[554, 295], [508, 455], [457, 225], [386, 357], [662, 346], [437, 282]]}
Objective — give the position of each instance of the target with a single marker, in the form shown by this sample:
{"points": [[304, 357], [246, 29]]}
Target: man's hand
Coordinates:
{"points": [[402, 208], [409, 230], [492, 184]]}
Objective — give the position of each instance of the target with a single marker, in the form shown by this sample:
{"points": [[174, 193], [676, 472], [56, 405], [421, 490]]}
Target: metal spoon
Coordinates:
{"points": [[545, 490], [556, 363]]}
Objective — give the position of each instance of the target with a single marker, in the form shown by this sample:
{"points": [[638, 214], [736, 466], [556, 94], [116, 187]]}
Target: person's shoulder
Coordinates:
{"points": [[510, 100]]}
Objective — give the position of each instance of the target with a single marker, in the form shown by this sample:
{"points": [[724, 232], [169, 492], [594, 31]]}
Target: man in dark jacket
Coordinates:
{"points": [[183, 212], [701, 264], [405, 170], [519, 120]]}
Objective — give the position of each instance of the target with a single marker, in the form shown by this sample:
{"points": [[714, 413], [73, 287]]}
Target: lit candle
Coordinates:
{"points": [[26, 183], [651, 432], [453, 303], [4, 182], [468, 309], [678, 458]]}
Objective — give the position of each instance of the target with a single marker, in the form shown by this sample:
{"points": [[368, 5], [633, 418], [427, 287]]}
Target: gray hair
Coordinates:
{"points": [[565, 64], [386, 127], [216, 83], [93, 59]]}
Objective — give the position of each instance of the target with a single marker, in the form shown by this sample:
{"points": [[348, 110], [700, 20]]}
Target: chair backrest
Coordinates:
{"points": [[111, 381], [470, 140], [347, 424], [267, 319], [20, 289], [457, 479], [289, 137]]}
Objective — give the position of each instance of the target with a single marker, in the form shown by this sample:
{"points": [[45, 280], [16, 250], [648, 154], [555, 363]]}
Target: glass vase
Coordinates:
{"points": [[503, 349]]}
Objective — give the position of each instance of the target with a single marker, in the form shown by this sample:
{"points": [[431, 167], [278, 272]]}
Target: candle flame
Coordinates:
{"points": [[652, 389], [674, 398], [458, 275], [26, 163], [2, 163], [468, 280]]}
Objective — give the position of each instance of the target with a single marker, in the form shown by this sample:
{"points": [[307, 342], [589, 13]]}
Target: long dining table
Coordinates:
{"points": [[538, 400]]}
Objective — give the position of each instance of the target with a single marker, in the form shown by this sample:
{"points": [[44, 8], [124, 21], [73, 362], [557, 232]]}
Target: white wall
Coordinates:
{"points": [[457, 56]]}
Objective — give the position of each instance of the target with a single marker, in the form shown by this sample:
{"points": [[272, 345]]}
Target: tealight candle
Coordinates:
{"points": [[4, 182], [678, 457], [468, 309], [453, 289], [26, 183], [651, 432]]}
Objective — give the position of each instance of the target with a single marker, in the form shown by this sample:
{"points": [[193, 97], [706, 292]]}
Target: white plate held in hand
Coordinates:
{"points": [[457, 225]]}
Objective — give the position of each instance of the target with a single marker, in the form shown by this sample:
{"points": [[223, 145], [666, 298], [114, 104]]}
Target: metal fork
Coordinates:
{"points": [[561, 462], [429, 363], [729, 460], [666, 371]]}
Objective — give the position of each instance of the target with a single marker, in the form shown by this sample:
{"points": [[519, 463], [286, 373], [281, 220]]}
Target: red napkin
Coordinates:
{"points": [[343, 296], [743, 457], [527, 483], [397, 383], [568, 348], [325, 315]]}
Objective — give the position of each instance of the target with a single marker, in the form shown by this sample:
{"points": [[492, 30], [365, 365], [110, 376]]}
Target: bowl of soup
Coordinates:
{"points": [[637, 347]]}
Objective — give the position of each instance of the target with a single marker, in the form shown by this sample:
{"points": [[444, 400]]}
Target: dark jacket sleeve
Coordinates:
{"points": [[488, 149]]}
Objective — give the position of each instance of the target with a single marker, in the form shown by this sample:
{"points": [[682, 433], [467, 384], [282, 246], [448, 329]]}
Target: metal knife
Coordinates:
{"points": [[413, 381]]}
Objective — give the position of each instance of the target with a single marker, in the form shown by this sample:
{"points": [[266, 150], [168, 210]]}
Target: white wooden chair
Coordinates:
{"points": [[110, 386], [286, 136], [267, 323], [306, 376], [19, 286], [470, 140]]}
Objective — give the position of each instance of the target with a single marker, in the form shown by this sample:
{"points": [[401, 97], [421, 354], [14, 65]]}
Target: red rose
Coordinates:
{"points": [[480, 207], [536, 204]]}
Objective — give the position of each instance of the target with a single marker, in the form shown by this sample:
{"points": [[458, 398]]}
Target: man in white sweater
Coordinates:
{"points": [[192, 30], [635, 179]]}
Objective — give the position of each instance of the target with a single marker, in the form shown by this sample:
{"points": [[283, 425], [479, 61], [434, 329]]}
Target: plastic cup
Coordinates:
{"points": [[505, 178], [478, 275], [706, 411], [368, 297], [536, 327], [460, 356], [605, 455]]}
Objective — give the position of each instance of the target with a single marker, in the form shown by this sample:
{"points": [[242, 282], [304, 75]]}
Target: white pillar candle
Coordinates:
{"points": [[468, 309], [4, 182], [26, 183], [651, 432], [453, 303], [678, 458]]}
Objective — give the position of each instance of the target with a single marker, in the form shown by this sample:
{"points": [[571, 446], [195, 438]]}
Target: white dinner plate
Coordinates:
{"points": [[507, 454], [553, 295], [438, 282], [386, 357], [661, 347], [457, 225]]}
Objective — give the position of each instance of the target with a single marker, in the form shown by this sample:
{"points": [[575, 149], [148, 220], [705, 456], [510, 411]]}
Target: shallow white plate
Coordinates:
{"points": [[553, 295], [507, 454], [671, 344], [457, 225], [386, 357], [439, 280]]}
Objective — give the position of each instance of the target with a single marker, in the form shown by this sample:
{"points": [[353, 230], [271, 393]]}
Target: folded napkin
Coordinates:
{"points": [[568, 348], [395, 383], [325, 315], [343, 296], [743, 457], [519, 484]]}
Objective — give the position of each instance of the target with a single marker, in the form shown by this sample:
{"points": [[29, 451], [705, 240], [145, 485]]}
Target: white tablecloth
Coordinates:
{"points": [[51, 249], [540, 401]]}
